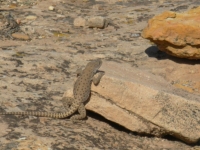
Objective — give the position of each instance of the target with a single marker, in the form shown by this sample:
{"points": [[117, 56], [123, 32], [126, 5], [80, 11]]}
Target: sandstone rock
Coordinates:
{"points": [[79, 22], [144, 103], [51, 8], [177, 34], [31, 17], [20, 36], [92, 22], [96, 22]]}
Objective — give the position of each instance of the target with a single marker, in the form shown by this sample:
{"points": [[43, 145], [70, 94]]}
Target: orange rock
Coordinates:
{"points": [[177, 34]]}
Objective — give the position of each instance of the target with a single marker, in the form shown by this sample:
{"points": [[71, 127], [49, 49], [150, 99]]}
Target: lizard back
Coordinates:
{"points": [[82, 85]]}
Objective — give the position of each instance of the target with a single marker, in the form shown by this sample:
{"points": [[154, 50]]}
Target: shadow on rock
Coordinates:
{"points": [[153, 51]]}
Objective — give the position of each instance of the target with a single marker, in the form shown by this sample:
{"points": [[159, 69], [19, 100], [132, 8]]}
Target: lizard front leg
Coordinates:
{"points": [[97, 77]]}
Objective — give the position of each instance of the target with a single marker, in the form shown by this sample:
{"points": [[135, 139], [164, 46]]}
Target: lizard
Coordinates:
{"points": [[81, 93]]}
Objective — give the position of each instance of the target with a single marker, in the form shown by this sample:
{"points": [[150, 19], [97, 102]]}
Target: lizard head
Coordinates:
{"points": [[94, 65]]}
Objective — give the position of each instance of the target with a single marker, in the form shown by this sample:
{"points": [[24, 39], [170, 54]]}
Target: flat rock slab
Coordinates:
{"points": [[145, 104]]}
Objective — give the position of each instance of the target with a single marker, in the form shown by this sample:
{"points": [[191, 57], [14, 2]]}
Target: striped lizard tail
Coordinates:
{"points": [[37, 114], [65, 114]]}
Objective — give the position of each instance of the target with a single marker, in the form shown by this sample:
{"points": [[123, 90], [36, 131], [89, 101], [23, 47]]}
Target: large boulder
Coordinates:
{"points": [[144, 103], [177, 34]]}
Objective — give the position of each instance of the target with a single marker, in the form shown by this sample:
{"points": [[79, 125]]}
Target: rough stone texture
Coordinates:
{"points": [[145, 104], [91, 22], [96, 22], [177, 34], [79, 22], [34, 74]]}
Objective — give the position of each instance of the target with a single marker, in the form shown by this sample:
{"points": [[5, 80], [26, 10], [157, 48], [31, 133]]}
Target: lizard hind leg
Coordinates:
{"points": [[81, 115]]}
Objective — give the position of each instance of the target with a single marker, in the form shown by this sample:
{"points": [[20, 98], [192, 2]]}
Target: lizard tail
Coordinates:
{"points": [[34, 113], [72, 110]]}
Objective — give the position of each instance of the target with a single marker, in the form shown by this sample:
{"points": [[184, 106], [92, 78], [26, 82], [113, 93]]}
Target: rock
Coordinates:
{"points": [[60, 16], [177, 34], [31, 17], [96, 22], [79, 22], [98, 7], [93, 22], [13, 5], [51, 8], [144, 103], [20, 36]]}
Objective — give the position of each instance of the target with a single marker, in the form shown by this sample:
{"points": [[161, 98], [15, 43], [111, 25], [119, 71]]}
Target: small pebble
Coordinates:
{"points": [[51, 8], [135, 35], [20, 36], [31, 17]]}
